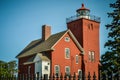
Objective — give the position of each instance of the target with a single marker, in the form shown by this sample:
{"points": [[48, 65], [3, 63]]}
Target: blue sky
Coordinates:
{"points": [[21, 21]]}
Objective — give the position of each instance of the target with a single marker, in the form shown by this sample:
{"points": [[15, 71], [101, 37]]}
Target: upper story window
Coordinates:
{"points": [[90, 26], [77, 59], [91, 56], [67, 53], [57, 70], [67, 39], [46, 68]]}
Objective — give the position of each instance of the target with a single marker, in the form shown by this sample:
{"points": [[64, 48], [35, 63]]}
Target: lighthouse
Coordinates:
{"points": [[85, 28]]}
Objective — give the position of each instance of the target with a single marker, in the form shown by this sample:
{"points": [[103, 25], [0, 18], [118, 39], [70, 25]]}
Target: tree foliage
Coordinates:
{"points": [[111, 59], [8, 68]]}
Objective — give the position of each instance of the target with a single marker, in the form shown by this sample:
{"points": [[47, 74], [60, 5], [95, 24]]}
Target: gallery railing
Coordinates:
{"points": [[76, 17]]}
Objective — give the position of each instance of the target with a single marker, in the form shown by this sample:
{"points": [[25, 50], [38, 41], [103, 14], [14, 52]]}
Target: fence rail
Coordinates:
{"points": [[60, 77]]}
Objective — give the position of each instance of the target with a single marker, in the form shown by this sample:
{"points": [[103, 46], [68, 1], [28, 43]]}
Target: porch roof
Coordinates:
{"points": [[32, 59]]}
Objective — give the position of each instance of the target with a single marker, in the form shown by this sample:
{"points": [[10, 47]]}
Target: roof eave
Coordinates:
{"points": [[51, 49], [26, 63], [77, 43]]}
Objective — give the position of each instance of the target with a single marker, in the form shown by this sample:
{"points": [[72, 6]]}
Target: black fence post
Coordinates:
{"points": [[65, 76], [106, 76], [94, 76], [50, 77], [84, 77], [45, 77], [70, 77], [61, 76], [53, 77], [57, 76], [41, 77], [80, 76], [89, 77], [26, 77], [119, 74], [33, 77], [37, 75], [22, 77], [112, 77], [100, 75], [74, 76], [19, 77], [15, 77]]}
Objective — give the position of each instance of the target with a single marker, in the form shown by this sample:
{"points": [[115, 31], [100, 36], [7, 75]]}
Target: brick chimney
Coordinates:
{"points": [[46, 32]]}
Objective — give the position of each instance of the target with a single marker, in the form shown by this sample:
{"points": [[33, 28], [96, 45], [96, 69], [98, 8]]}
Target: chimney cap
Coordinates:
{"points": [[45, 25]]}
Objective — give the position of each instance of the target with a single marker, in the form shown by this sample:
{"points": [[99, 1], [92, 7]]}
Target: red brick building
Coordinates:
{"points": [[74, 50]]}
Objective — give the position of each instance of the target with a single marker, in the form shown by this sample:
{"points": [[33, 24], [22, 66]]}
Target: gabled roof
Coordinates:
{"points": [[38, 46]]}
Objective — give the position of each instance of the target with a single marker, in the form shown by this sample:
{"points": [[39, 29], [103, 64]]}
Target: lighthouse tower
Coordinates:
{"points": [[85, 28]]}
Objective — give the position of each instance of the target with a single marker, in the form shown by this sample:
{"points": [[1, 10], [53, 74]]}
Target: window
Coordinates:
{"points": [[67, 39], [29, 68], [90, 26], [48, 63], [91, 56], [67, 53], [67, 70], [77, 59], [80, 74], [46, 68], [57, 70]]}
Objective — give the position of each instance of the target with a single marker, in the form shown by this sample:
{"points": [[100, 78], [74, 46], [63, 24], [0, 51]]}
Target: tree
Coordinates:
{"points": [[3, 68], [8, 68], [12, 67], [111, 59]]}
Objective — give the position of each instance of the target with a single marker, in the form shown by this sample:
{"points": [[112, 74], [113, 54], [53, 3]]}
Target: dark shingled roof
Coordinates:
{"points": [[37, 46]]}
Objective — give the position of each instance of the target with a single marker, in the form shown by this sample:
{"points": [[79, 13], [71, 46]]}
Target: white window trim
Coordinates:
{"points": [[79, 70], [76, 59], [55, 69], [91, 56], [66, 69], [67, 40], [65, 53], [46, 68]]}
